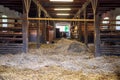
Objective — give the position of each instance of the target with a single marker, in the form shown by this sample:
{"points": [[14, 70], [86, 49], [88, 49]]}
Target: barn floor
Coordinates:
{"points": [[64, 60]]}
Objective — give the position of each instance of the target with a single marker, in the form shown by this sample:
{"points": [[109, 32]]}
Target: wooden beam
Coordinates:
{"points": [[80, 29], [54, 25], [83, 7], [38, 27], [78, 25], [61, 19], [96, 29], [26, 7], [38, 4], [85, 29], [97, 35], [94, 6], [45, 29]]}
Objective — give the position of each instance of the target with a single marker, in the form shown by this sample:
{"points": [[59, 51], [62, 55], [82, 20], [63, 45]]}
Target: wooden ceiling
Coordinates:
{"points": [[103, 6], [75, 6]]}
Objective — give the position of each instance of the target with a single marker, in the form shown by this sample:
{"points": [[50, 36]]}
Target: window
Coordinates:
{"points": [[118, 22], [105, 22], [64, 28], [4, 20]]}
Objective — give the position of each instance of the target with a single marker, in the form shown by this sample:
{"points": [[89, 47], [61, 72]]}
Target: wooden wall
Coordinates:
{"points": [[11, 37], [33, 32]]}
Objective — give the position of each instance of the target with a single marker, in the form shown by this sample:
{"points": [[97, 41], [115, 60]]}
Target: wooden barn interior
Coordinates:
{"points": [[24, 23], [90, 21]]}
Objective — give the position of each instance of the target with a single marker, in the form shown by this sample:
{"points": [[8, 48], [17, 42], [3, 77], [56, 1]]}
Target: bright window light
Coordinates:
{"points": [[62, 9], [62, 0], [64, 28], [63, 14], [118, 22], [4, 20], [105, 22]]}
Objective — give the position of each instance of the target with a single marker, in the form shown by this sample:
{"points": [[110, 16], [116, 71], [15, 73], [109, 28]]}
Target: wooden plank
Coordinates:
{"points": [[110, 25], [7, 48], [38, 27], [10, 28], [111, 39], [38, 4], [7, 38], [26, 7], [61, 19], [80, 29], [83, 7], [12, 18], [97, 36], [113, 20], [11, 44], [96, 28], [25, 33], [10, 34], [85, 29], [10, 51], [110, 34], [11, 47], [10, 23], [45, 29], [110, 46]]}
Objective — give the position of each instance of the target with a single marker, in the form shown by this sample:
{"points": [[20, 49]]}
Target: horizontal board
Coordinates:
{"points": [[10, 23], [6, 38]]}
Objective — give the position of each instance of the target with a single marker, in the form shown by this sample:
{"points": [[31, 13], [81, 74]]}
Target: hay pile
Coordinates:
{"points": [[70, 46], [60, 61], [50, 73]]}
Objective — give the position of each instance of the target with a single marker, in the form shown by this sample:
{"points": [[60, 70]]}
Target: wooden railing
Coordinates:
{"points": [[110, 38], [11, 37]]}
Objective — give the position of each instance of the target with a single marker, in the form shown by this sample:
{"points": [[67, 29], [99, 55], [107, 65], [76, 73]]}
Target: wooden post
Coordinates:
{"points": [[45, 30], [54, 24], [38, 27], [80, 29], [72, 35], [25, 24], [42, 9], [85, 29], [83, 6], [61, 19], [78, 25], [96, 29], [97, 35]]}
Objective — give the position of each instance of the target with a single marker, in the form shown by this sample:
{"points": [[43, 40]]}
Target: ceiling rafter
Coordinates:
{"points": [[76, 7]]}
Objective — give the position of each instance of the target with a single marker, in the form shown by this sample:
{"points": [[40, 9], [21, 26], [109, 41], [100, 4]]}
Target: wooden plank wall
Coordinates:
{"points": [[11, 40], [33, 32], [110, 38]]}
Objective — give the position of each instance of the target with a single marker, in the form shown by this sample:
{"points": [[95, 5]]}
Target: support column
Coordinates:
{"points": [[38, 27], [85, 29], [97, 35], [80, 30], [25, 24], [45, 30], [96, 29], [54, 24], [78, 25], [72, 35]]}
